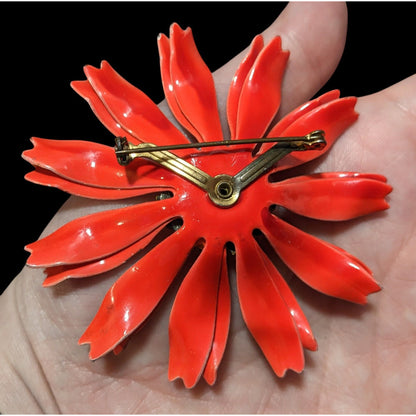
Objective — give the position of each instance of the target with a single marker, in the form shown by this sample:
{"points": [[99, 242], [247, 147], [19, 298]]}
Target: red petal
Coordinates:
{"points": [[302, 324], [59, 273], [193, 85], [238, 81], [168, 86], [261, 92], [300, 111], [321, 265], [222, 326], [45, 177], [193, 317], [334, 196], [265, 311], [136, 293], [333, 117], [133, 110], [85, 90], [98, 235], [94, 164]]}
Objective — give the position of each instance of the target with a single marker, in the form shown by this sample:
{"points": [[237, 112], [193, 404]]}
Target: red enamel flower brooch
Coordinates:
{"points": [[210, 202]]}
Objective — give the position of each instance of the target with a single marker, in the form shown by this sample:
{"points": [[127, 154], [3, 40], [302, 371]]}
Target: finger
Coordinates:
{"points": [[315, 34]]}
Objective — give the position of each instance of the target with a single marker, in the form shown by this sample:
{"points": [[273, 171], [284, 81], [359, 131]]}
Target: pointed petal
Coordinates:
{"points": [[163, 43], [193, 85], [193, 316], [298, 112], [45, 177], [133, 110], [265, 311], [59, 273], [85, 90], [334, 196], [321, 265], [302, 324], [333, 117], [94, 164], [238, 81], [260, 95], [136, 293], [222, 325], [98, 235]]}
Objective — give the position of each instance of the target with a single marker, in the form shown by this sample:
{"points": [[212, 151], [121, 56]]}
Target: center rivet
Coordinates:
{"points": [[224, 190]]}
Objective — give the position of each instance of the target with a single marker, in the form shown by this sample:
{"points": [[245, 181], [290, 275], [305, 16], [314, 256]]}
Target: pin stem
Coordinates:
{"points": [[295, 143]]}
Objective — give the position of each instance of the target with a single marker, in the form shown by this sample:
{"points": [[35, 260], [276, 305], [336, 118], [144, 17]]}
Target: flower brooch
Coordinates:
{"points": [[209, 200]]}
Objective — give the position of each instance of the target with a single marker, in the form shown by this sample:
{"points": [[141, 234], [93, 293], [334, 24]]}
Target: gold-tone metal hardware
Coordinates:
{"points": [[312, 141], [126, 152], [223, 190], [296, 143]]}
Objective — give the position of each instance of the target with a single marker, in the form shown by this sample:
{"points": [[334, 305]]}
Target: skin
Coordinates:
{"points": [[367, 354]]}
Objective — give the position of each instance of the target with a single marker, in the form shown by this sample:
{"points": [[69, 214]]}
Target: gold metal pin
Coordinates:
{"points": [[223, 190], [312, 141]]}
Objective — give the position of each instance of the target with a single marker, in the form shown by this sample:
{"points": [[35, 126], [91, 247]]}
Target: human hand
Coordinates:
{"points": [[366, 354]]}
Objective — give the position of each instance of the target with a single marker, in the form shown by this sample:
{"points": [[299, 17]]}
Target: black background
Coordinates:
{"points": [[44, 46]]}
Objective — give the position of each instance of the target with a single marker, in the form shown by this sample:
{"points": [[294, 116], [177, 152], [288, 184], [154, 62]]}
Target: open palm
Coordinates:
{"points": [[367, 354]]}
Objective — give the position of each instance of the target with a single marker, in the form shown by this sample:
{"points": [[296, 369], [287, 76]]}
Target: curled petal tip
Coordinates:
{"points": [[313, 346], [376, 287], [94, 352], [83, 340], [189, 384], [31, 261], [306, 336], [49, 283], [175, 28], [88, 69], [210, 377], [296, 368]]}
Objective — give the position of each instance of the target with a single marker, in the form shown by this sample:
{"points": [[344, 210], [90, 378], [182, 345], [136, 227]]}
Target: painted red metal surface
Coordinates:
{"points": [[200, 315]]}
